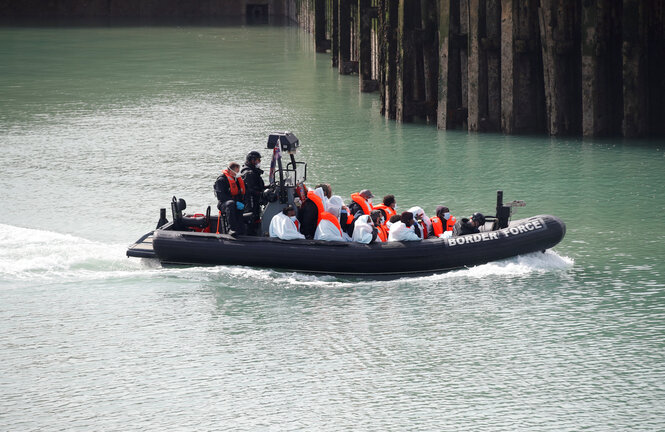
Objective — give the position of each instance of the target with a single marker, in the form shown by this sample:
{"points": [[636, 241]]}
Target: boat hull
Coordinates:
{"points": [[524, 236]]}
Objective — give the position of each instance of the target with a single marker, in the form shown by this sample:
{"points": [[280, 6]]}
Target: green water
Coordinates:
{"points": [[100, 126]]}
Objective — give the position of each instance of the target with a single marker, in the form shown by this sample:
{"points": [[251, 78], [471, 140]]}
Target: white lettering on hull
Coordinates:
{"points": [[523, 228]]}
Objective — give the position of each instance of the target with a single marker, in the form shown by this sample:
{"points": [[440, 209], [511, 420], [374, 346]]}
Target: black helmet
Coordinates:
{"points": [[252, 156], [478, 217]]}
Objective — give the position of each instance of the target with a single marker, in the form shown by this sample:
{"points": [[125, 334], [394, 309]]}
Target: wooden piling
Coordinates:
{"points": [[442, 117], [365, 81], [559, 21], [334, 36], [388, 23], [656, 44], [345, 65], [453, 40], [430, 49], [635, 78], [404, 71], [320, 41], [602, 99]]}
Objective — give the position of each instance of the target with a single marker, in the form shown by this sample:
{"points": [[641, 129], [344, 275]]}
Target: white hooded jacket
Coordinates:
{"points": [[326, 230], [419, 213], [362, 232], [281, 226], [400, 232]]}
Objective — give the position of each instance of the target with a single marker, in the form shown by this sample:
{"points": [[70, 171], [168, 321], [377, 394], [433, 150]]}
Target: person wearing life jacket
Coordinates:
{"points": [[442, 223], [230, 192], [423, 222], [364, 231], [469, 225], [361, 204], [379, 221], [255, 187], [343, 213], [309, 212], [392, 220], [284, 225], [388, 207], [404, 229], [329, 228]]}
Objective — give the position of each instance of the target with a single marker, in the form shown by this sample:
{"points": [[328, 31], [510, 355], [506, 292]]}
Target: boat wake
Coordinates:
{"points": [[29, 254]]}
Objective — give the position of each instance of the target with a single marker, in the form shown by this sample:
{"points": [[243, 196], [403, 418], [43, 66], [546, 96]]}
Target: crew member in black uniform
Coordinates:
{"points": [[251, 174], [469, 226], [230, 193]]}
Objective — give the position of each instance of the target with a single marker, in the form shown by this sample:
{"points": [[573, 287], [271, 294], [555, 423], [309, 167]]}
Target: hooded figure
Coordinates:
{"points": [[327, 230], [403, 230], [419, 214], [364, 232], [284, 227], [308, 215]]}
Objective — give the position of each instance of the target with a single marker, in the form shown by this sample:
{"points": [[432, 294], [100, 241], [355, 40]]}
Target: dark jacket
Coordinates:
{"points": [[463, 227], [308, 216], [254, 187], [223, 191]]}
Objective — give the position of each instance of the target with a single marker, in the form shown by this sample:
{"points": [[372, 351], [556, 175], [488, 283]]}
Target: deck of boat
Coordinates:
{"points": [[142, 248]]}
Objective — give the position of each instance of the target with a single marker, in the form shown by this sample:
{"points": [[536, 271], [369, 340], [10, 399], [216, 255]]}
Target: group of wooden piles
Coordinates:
{"points": [[589, 67]]}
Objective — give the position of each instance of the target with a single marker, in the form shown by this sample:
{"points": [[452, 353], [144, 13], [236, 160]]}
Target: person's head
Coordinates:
{"points": [[406, 218], [235, 167], [334, 210], [289, 211], [395, 218], [336, 200], [253, 159], [389, 201], [377, 217], [327, 189], [478, 219], [443, 212], [367, 194]]}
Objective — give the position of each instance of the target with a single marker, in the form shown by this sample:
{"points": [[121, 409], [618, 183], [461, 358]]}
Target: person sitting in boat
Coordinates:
{"points": [[344, 218], [392, 220], [364, 230], [308, 214], [388, 207], [329, 228], [361, 204], [379, 221], [469, 225], [404, 230], [284, 225], [442, 223], [423, 221], [255, 187], [230, 192]]}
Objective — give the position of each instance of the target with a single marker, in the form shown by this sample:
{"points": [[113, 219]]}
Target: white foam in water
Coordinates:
{"points": [[34, 254]]}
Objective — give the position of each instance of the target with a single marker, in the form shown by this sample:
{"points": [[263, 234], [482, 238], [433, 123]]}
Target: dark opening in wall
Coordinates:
{"points": [[257, 13]]}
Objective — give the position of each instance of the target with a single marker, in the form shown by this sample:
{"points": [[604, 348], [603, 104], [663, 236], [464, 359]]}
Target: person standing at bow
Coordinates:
{"points": [[251, 175], [230, 192]]}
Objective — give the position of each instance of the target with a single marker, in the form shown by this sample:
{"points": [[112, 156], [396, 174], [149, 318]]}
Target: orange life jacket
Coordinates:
{"points": [[319, 204], [362, 202], [332, 219], [387, 209], [437, 224], [233, 187], [382, 232], [451, 223]]}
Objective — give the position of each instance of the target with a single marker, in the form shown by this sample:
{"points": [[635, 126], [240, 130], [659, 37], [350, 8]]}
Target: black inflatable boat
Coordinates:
{"points": [[201, 239]]}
